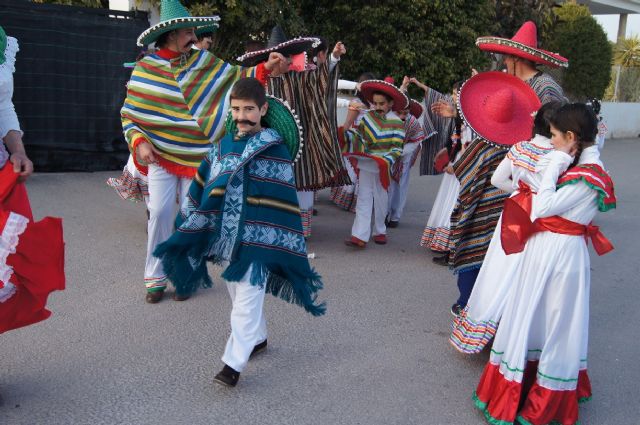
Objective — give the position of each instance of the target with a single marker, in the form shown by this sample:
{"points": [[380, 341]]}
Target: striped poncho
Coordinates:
{"points": [[312, 95], [377, 137], [242, 211], [547, 89], [414, 135], [437, 130], [479, 205], [179, 107]]}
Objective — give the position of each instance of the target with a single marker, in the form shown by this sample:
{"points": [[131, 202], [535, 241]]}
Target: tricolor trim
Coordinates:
{"points": [[596, 178]]}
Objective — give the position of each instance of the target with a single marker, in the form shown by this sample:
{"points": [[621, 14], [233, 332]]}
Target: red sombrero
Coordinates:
{"points": [[369, 87], [523, 45], [499, 107], [415, 108]]}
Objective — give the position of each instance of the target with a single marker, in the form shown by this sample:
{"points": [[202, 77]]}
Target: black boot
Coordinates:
{"points": [[227, 377]]}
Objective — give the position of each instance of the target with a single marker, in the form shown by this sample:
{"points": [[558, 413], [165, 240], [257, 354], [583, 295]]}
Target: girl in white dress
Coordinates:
{"points": [[519, 173], [537, 371]]}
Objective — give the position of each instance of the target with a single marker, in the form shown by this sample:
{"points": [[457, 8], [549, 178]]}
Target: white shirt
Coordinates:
{"points": [[8, 117]]}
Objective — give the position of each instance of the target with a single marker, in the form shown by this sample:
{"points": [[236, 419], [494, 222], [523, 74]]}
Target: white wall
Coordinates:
{"points": [[622, 119]]}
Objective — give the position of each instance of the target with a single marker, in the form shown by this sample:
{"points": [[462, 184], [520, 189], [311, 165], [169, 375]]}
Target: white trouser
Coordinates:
{"points": [[163, 189], [371, 196], [248, 325], [305, 199], [398, 194]]}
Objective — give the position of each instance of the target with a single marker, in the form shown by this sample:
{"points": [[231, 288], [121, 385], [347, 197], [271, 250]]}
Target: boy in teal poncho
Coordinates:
{"points": [[242, 213]]}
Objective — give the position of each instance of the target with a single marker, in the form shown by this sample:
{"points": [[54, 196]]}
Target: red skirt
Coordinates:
{"points": [[31, 257]]}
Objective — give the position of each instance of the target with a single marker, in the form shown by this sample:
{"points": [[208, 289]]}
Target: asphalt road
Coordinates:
{"points": [[379, 356]]}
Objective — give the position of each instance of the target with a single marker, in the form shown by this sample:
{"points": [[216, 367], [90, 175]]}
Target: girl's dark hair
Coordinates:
{"points": [[367, 76], [541, 123], [457, 85], [595, 105], [249, 89], [580, 120]]}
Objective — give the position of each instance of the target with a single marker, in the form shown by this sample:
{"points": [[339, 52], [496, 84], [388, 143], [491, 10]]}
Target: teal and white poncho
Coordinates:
{"points": [[242, 210]]}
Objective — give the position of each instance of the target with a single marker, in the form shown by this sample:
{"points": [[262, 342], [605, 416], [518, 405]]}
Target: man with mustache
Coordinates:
{"points": [[174, 110], [242, 213], [373, 147]]}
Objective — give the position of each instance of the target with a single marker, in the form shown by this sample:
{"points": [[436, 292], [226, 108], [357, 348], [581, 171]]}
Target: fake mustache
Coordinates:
{"points": [[247, 122]]}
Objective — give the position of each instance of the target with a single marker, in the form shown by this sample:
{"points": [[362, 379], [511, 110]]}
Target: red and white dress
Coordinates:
{"points": [[537, 371], [521, 170]]}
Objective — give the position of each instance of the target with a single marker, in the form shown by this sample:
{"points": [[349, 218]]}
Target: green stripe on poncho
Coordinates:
{"points": [[242, 209]]}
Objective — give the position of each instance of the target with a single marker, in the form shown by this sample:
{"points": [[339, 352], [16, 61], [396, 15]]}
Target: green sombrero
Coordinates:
{"points": [[205, 29], [173, 15], [3, 45], [281, 118]]}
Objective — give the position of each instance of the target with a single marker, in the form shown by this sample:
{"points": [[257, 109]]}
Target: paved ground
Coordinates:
{"points": [[379, 356]]}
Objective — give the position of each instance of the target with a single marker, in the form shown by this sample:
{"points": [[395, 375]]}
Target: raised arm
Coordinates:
{"points": [[549, 201]]}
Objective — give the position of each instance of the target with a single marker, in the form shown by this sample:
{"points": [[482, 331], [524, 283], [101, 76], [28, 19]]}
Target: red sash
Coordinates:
{"points": [[515, 220], [517, 227]]}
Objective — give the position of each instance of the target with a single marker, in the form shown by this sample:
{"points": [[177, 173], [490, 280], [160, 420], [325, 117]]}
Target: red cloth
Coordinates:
{"points": [[517, 227], [38, 263], [515, 217], [502, 399]]}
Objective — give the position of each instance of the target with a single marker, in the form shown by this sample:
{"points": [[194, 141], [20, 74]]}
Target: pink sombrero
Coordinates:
{"points": [[369, 87], [498, 107], [523, 45], [415, 108]]}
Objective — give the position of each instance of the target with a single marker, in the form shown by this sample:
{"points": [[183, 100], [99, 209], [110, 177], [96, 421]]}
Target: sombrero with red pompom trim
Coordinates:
{"points": [[523, 45], [369, 87]]}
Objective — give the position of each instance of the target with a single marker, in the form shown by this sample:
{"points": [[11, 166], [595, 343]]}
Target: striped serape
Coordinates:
{"points": [[312, 95], [437, 130], [180, 107], [479, 205], [377, 137]]}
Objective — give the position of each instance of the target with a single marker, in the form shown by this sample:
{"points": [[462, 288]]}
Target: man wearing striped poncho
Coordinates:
{"points": [[175, 109]]}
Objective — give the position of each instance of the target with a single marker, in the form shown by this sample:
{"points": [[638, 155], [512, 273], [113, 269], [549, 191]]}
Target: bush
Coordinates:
{"points": [[580, 38], [433, 41]]}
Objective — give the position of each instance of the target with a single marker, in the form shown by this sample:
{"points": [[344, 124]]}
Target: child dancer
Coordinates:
{"points": [[521, 170], [242, 213], [537, 372]]}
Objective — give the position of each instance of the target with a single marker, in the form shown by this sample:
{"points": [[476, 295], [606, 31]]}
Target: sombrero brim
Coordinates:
{"points": [[206, 28], [415, 108], [288, 48], [509, 47], [472, 106], [150, 35], [369, 87], [284, 120]]}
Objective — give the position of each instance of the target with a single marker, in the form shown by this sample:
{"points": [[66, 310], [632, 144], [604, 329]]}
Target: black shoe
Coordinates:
{"points": [[441, 261], [315, 212], [258, 348], [227, 377], [392, 224], [456, 309], [154, 297], [180, 297]]}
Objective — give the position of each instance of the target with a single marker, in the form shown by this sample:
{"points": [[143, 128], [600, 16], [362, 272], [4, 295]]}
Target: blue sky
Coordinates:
{"points": [[610, 25]]}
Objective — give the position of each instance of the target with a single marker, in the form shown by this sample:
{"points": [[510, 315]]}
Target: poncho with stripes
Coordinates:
{"points": [[479, 205], [180, 108]]}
